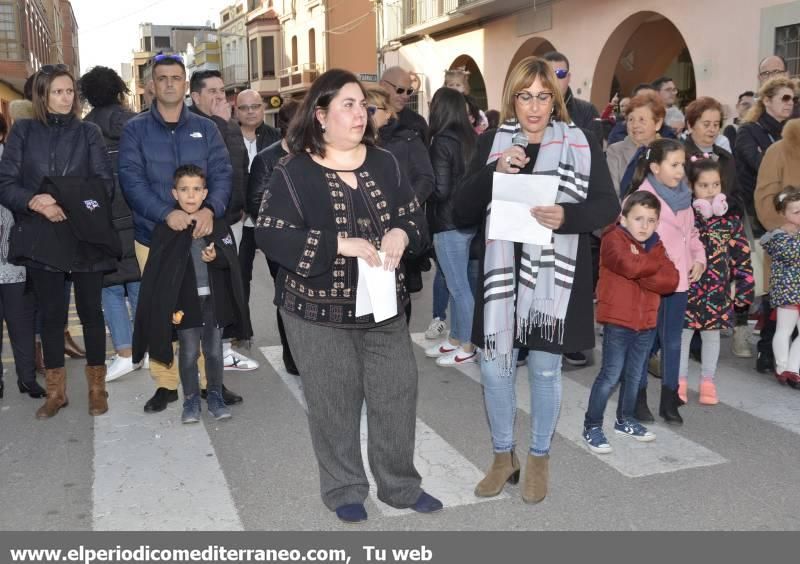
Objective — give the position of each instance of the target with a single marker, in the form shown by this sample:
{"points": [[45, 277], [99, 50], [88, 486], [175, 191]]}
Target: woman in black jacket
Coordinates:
{"points": [[103, 88], [540, 296], [56, 143], [452, 146]]}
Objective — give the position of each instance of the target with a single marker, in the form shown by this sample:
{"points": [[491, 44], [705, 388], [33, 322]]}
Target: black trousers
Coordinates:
{"points": [[18, 310], [287, 352], [49, 289], [247, 256]]}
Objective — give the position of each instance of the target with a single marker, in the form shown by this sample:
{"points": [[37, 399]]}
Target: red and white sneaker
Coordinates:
{"points": [[440, 349], [458, 357]]}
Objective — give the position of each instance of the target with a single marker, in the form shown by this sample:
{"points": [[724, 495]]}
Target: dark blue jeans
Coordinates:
{"points": [[209, 336], [625, 353], [671, 313]]}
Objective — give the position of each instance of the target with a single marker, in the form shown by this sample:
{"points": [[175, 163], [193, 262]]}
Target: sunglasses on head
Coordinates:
{"points": [[50, 69], [163, 56], [398, 90], [786, 98], [372, 109], [561, 73]]}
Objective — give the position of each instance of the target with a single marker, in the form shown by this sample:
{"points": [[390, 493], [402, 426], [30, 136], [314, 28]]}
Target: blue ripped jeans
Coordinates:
{"points": [[499, 393]]}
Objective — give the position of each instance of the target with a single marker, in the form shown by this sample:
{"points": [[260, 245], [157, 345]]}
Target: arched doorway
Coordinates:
{"points": [[534, 46], [477, 87], [642, 48]]}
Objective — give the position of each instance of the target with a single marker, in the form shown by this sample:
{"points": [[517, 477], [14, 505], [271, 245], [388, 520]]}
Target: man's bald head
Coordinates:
{"points": [[771, 67], [250, 108], [396, 79]]}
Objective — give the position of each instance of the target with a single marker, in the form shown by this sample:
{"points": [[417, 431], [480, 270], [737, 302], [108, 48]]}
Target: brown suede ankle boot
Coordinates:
{"points": [[96, 378], [56, 383], [505, 468], [537, 474]]}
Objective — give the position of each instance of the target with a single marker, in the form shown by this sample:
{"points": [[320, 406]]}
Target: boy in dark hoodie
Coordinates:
{"points": [[192, 286], [635, 272]]}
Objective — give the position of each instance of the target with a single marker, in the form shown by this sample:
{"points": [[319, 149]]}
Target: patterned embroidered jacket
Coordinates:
{"points": [[307, 207], [710, 305], [784, 281]]}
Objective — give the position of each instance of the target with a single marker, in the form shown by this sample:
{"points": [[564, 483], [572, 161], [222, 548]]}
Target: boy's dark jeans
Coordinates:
{"points": [[625, 353], [189, 340]]}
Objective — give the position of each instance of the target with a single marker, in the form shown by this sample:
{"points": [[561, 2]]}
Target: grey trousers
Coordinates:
{"points": [[340, 370]]}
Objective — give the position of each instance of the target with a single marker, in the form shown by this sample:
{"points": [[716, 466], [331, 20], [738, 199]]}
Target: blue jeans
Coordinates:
{"points": [[625, 351], [118, 316], [670, 327], [440, 294], [499, 394], [190, 341], [452, 252]]}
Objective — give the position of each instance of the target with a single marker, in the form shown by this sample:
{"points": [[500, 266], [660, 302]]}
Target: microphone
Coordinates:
{"points": [[519, 140]]}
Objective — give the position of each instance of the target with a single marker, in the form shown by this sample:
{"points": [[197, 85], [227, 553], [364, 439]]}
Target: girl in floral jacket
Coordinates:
{"points": [[711, 307]]}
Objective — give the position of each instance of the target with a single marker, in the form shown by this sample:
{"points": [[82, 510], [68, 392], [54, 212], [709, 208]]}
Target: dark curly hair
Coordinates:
{"points": [[102, 86]]}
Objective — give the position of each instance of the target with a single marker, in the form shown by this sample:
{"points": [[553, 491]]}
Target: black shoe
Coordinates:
{"points": [[160, 400], [576, 359], [288, 363], [765, 363], [642, 411], [228, 396], [668, 407], [33, 389]]}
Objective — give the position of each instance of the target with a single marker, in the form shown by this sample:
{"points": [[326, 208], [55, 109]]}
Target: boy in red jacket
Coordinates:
{"points": [[635, 272]]}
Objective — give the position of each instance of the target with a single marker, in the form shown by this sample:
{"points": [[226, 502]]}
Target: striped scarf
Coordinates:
{"points": [[547, 271]]}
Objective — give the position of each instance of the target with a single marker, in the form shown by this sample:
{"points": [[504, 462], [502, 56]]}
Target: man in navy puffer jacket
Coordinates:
{"points": [[152, 146]]}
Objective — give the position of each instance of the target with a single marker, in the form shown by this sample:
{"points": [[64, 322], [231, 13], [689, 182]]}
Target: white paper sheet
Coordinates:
{"points": [[376, 292], [513, 195]]}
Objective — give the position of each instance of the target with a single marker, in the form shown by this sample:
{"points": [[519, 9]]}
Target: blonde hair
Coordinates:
{"points": [[521, 77], [379, 97], [768, 90], [461, 74]]}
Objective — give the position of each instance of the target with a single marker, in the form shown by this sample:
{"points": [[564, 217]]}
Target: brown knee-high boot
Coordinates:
{"points": [[537, 474], [505, 468], [56, 383], [98, 397]]}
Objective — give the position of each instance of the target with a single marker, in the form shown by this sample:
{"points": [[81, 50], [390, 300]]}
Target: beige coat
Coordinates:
{"points": [[618, 155]]}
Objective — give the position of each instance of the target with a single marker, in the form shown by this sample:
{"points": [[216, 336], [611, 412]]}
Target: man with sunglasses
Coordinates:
{"points": [[152, 146], [397, 82]]}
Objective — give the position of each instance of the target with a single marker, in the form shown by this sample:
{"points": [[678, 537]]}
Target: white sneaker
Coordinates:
{"points": [[458, 357], [146, 361], [237, 361], [436, 330], [440, 349], [119, 366]]}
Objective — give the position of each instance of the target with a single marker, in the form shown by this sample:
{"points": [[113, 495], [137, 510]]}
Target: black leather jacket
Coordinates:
{"points": [[449, 168], [260, 173], [408, 148]]}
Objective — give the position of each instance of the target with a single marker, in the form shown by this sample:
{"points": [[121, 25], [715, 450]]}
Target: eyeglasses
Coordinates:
{"points": [[398, 90], [771, 73], [50, 69], [372, 109], [561, 74], [250, 108], [527, 97], [163, 56], [786, 98]]}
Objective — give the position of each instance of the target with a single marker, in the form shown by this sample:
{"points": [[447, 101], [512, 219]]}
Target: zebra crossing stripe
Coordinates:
{"points": [[445, 472], [669, 453], [151, 473]]}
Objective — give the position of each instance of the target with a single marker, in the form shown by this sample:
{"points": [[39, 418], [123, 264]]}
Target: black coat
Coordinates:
{"points": [[584, 114], [260, 173], [111, 120], [752, 140], [411, 153], [240, 161], [449, 168], [600, 209], [266, 135], [415, 122], [169, 285]]}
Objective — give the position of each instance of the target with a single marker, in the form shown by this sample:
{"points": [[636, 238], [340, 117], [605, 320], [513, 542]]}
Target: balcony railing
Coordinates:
{"points": [[234, 74], [299, 75]]}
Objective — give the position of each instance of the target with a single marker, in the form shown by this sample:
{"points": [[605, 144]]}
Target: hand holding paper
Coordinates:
{"points": [[513, 196], [376, 292]]}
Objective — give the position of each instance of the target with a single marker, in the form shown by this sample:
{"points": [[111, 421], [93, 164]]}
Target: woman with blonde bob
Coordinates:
{"points": [[537, 297]]}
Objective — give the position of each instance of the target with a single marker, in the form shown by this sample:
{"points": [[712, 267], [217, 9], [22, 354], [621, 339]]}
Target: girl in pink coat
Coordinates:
{"points": [[660, 170]]}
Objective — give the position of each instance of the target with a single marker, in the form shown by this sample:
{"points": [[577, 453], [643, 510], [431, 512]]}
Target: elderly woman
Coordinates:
{"points": [[336, 199], [644, 117], [540, 296], [762, 126], [54, 144]]}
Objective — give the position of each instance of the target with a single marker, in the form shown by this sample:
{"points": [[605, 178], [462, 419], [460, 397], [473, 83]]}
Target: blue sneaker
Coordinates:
{"points": [[191, 409], [634, 429], [216, 405], [596, 440], [426, 503], [352, 513]]}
